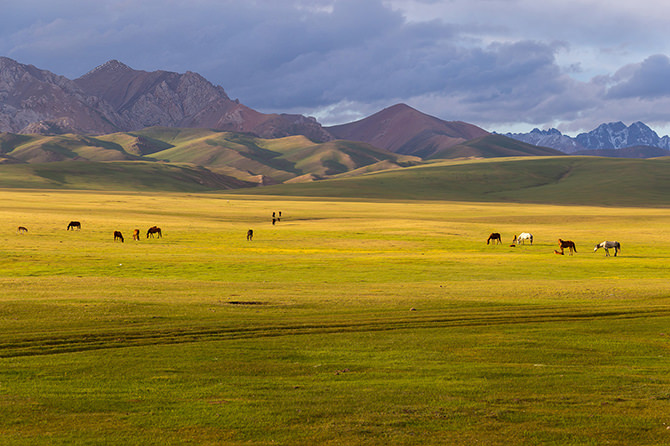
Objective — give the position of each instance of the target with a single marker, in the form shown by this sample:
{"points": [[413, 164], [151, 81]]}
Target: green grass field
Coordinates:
{"points": [[355, 322]]}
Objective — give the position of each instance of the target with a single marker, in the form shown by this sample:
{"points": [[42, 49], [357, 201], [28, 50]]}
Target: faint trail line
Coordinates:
{"points": [[45, 344]]}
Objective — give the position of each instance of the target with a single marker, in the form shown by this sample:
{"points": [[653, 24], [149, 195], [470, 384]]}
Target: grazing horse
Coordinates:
{"points": [[495, 237], [22, 229], [74, 225], [154, 230], [118, 236], [523, 237], [250, 234], [567, 244], [136, 234], [607, 245]]}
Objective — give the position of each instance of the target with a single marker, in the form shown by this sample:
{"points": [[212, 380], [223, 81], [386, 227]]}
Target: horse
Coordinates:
{"points": [[74, 225], [567, 244], [118, 236], [22, 229], [250, 234], [136, 234], [495, 237], [607, 245], [523, 237], [154, 230]]}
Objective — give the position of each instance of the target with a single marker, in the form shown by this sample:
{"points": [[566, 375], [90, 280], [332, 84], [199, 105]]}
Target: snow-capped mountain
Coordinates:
{"points": [[613, 135]]}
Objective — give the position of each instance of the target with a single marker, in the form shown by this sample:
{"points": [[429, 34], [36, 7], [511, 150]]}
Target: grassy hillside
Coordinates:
{"points": [[41, 149], [128, 176], [493, 146], [560, 180], [242, 156]]}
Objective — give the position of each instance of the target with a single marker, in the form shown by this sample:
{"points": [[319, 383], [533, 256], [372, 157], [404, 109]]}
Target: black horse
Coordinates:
{"points": [[74, 225]]}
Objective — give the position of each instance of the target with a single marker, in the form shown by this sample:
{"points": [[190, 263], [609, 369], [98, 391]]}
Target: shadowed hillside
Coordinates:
{"points": [[493, 146], [558, 180], [240, 156], [127, 176]]}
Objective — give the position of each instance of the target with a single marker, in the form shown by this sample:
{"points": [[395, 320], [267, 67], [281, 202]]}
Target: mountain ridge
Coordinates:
{"points": [[607, 136], [114, 97]]}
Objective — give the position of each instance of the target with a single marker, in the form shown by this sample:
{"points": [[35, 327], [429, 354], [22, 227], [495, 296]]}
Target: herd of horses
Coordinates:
{"points": [[495, 238], [562, 244], [152, 232]]}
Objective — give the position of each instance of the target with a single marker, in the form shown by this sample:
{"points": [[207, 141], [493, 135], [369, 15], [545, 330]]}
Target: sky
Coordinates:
{"points": [[504, 65]]}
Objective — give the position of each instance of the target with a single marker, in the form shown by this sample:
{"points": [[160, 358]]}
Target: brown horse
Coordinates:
{"points": [[250, 234], [136, 234], [494, 237], [22, 229], [74, 225], [567, 244], [154, 230], [118, 236]]}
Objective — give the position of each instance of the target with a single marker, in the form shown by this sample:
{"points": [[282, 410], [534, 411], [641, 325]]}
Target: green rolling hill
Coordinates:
{"points": [[168, 159], [493, 146], [242, 157], [559, 180]]}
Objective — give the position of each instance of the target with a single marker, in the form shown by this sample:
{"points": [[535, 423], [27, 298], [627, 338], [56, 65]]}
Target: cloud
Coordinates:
{"points": [[645, 80], [490, 62]]}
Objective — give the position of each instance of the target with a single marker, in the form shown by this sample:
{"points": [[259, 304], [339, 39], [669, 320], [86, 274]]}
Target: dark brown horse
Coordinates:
{"points": [[118, 236], [154, 230], [74, 225], [567, 244], [136, 234], [250, 234], [22, 229], [494, 237]]}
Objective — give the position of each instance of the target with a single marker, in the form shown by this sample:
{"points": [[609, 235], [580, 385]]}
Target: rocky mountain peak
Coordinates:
{"points": [[115, 97], [109, 66], [607, 136]]}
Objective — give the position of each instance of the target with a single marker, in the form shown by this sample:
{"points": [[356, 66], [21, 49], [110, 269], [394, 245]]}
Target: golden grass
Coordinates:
{"points": [[348, 322]]}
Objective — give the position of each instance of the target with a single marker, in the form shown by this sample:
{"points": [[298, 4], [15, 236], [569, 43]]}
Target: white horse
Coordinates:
{"points": [[523, 237], [607, 246]]}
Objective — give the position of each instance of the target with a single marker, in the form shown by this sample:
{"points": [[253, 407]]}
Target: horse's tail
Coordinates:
{"points": [[574, 247]]}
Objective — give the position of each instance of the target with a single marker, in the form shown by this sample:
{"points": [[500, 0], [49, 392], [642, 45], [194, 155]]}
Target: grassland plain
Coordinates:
{"points": [[348, 322]]}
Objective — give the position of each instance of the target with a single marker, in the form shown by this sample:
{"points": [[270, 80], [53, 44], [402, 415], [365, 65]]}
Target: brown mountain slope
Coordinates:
{"points": [[162, 98], [32, 100], [402, 129]]}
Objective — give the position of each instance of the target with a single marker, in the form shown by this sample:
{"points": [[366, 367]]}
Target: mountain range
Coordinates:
{"points": [[115, 98], [184, 129], [604, 139]]}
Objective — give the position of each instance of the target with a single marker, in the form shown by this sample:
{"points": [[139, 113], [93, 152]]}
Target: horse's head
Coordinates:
{"points": [[596, 248]]}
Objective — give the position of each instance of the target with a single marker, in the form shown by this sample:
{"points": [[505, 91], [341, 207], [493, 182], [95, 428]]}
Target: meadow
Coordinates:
{"points": [[358, 322]]}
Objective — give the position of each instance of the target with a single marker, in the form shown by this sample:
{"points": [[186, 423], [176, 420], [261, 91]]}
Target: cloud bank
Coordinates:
{"points": [[500, 64]]}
